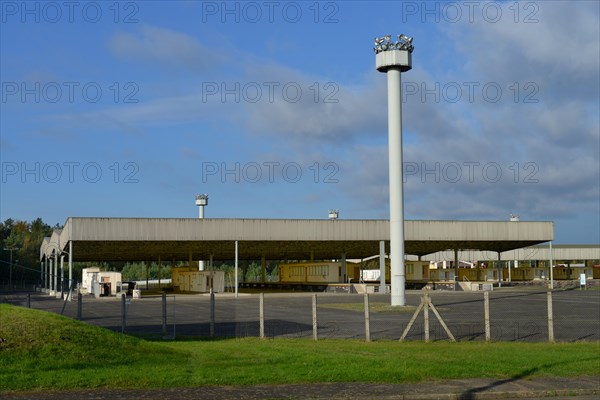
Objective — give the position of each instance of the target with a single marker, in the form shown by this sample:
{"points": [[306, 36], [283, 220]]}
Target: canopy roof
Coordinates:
{"points": [[145, 239]]}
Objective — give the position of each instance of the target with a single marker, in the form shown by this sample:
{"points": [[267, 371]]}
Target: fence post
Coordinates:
{"points": [[550, 318], [486, 309], [314, 316], [262, 315], [174, 318], [28, 300], [413, 319], [426, 317], [367, 319], [164, 313], [79, 305], [212, 313], [123, 313], [425, 305]]}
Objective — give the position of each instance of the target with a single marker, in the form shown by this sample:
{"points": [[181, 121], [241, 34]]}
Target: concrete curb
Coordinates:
{"points": [[466, 389]]}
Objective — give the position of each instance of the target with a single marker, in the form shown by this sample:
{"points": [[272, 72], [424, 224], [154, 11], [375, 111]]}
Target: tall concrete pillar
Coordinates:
{"points": [[394, 58]]}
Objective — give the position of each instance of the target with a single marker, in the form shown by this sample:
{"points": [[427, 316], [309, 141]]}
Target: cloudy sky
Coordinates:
{"points": [[275, 110]]}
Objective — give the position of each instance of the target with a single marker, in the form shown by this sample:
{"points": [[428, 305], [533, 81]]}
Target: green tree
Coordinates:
{"points": [[26, 238]]}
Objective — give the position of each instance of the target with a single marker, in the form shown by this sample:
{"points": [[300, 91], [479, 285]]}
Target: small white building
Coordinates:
{"points": [[100, 283], [187, 279]]}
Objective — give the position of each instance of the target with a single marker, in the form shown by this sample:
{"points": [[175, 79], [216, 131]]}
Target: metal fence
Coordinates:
{"points": [[20, 284], [532, 316]]}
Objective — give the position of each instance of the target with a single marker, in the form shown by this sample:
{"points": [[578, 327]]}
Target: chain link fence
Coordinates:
{"points": [[529, 316]]}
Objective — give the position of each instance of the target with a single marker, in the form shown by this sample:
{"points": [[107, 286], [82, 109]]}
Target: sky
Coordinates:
{"points": [[275, 110]]}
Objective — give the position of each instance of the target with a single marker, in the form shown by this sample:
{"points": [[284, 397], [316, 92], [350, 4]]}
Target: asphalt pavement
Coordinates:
{"points": [[515, 315]]}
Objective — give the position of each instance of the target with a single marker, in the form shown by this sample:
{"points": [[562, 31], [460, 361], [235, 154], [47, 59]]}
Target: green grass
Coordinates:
{"points": [[43, 350]]}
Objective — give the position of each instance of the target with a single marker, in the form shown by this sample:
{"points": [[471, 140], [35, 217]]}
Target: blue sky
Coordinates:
{"points": [[275, 110]]}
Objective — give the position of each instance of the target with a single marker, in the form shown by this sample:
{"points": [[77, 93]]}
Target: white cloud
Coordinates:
{"points": [[166, 47], [560, 52], [313, 108]]}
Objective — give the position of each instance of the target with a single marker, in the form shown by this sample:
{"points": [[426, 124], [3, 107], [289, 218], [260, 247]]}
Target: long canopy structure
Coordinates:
{"points": [[560, 252], [141, 239]]}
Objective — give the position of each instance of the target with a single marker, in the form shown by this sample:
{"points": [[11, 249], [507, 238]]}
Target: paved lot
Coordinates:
{"points": [[516, 315]]}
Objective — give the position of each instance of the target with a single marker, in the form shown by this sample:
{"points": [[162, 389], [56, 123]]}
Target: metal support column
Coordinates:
{"points": [[382, 266], [499, 268], [70, 269], [55, 272], [344, 269], [551, 267], [456, 265], [44, 274], [48, 274], [236, 268], [62, 277], [210, 262], [159, 265]]}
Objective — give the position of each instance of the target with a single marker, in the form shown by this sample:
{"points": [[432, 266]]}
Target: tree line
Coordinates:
{"points": [[21, 240]]}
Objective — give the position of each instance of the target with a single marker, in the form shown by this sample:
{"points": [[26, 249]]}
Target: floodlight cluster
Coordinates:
{"points": [[385, 43]]}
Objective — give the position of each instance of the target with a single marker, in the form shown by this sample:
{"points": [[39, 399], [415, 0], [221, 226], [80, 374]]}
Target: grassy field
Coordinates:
{"points": [[40, 350]]}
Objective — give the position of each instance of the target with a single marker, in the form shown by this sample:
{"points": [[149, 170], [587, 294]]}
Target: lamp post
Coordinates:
{"points": [[11, 249], [393, 58], [201, 202]]}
